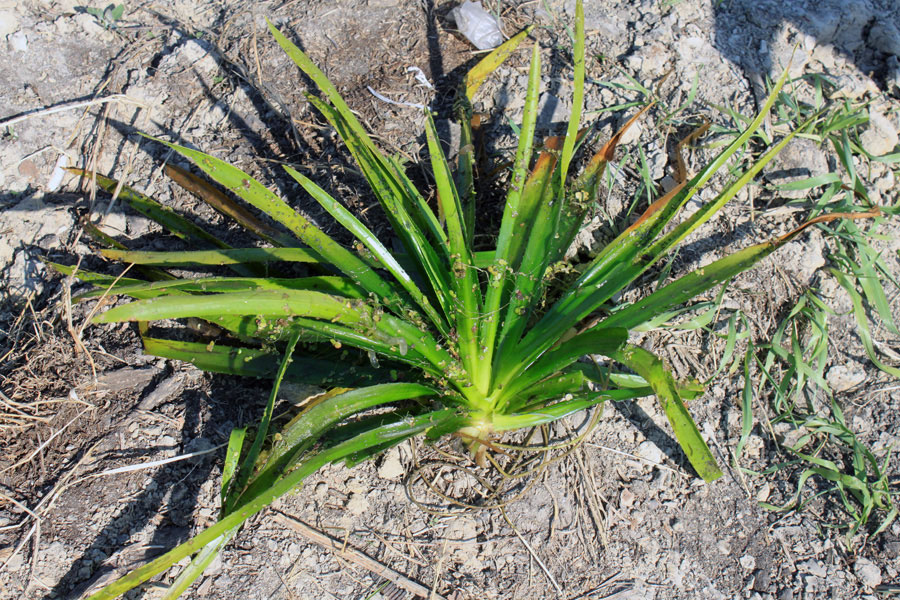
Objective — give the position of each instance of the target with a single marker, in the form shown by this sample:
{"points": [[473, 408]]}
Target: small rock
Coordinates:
{"points": [[199, 54], [18, 42], [114, 223], [802, 258], [167, 441], [668, 183], [800, 159], [868, 572], [656, 164], [654, 58], [762, 581], [748, 562], [786, 594], [853, 86], [358, 503], [881, 136], [626, 498], [89, 25], [632, 134], [841, 378], [391, 467], [885, 37], [14, 563], [449, 133], [813, 567], [885, 183], [551, 110], [9, 22], [650, 452], [892, 80]]}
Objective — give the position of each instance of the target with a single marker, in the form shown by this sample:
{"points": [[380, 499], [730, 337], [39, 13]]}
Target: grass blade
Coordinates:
{"points": [[249, 362], [401, 429], [205, 191], [362, 233], [651, 368]]}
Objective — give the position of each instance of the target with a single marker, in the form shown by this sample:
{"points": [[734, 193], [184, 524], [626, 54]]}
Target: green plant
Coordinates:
{"points": [[107, 16], [788, 370], [444, 340]]}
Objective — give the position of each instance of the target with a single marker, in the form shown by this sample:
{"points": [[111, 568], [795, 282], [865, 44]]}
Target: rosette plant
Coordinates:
{"points": [[438, 338]]}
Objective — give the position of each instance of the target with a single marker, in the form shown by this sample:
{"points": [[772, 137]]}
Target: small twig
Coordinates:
{"points": [[154, 463], [356, 557], [52, 110], [432, 595], [21, 507], [534, 555], [28, 458]]}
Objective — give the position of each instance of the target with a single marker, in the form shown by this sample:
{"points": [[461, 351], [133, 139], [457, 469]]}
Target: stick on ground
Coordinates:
{"points": [[356, 557]]}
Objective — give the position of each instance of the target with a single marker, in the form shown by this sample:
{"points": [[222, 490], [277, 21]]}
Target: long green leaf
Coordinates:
{"points": [[402, 429], [577, 99], [368, 239], [281, 303], [306, 428], [503, 258], [465, 278], [260, 197], [401, 203], [328, 284], [652, 369], [262, 430], [249, 362], [233, 256]]}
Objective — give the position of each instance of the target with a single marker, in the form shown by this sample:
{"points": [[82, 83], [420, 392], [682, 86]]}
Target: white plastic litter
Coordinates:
{"points": [[384, 98], [420, 76], [479, 26], [56, 176]]}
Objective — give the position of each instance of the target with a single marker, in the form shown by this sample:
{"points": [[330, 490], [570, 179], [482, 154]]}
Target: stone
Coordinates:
{"points": [[813, 567], [449, 132], [881, 136], [199, 54], [892, 80], [551, 110], [800, 159], [841, 378], [90, 25], [391, 467], [656, 164], [358, 503], [18, 41], [804, 256], [632, 134], [31, 222], [885, 37], [9, 22], [668, 183], [650, 452], [748, 562], [868, 572], [167, 441]]}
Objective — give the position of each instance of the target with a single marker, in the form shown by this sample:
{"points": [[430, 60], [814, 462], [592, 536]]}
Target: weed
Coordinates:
{"points": [[441, 339], [789, 369]]}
